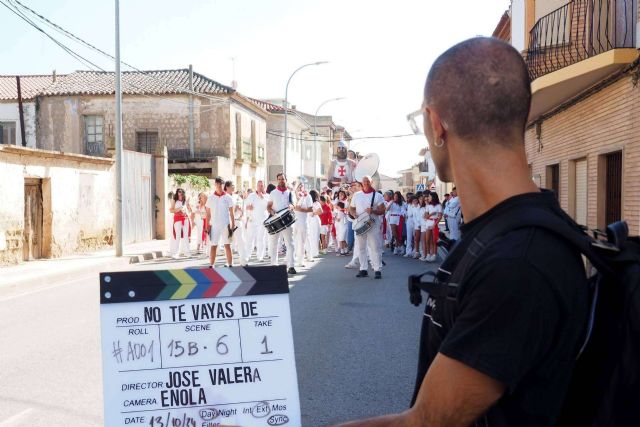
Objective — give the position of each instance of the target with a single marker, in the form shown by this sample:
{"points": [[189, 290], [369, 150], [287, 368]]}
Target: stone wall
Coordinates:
{"points": [[61, 125], [78, 201]]}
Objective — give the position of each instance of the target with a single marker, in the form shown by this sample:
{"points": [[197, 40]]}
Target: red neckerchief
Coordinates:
{"points": [[282, 189], [371, 190], [219, 195]]}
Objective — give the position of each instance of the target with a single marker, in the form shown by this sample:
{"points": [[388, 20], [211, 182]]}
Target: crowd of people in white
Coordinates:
{"points": [[286, 220]]}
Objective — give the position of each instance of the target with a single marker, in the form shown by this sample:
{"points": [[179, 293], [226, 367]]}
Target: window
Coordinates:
{"points": [[613, 187], [146, 141], [254, 151], [94, 135], [553, 179], [246, 149], [8, 133], [238, 145]]}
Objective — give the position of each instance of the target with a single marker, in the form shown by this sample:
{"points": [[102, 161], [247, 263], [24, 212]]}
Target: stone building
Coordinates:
{"points": [[582, 139], [10, 124], [76, 114]]}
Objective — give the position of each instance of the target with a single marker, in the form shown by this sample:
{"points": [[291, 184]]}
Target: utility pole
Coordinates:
{"points": [[192, 145], [21, 112], [119, 230]]}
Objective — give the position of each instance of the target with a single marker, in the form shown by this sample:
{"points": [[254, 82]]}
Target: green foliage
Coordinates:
{"points": [[196, 182]]}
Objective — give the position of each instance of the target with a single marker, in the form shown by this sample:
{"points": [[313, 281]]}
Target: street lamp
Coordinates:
{"points": [[286, 108], [315, 138]]}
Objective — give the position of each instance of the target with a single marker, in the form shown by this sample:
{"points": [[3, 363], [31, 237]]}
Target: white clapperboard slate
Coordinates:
{"points": [[198, 347]]}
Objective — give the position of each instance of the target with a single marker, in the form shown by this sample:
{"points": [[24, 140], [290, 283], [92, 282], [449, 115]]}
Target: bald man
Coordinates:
{"points": [[498, 347], [368, 203]]}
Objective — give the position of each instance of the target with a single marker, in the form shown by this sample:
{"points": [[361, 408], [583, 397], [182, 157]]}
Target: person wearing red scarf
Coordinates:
{"points": [[371, 203], [222, 221], [303, 207], [280, 199], [181, 230], [256, 206]]}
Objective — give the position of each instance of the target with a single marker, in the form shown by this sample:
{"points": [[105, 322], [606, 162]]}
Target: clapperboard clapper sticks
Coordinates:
{"points": [[198, 347]]}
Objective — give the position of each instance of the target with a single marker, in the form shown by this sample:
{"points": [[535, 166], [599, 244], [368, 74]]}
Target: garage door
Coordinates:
{"points": [[581, 192]]}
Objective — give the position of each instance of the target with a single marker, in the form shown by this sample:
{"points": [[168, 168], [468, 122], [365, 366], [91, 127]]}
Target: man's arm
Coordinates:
{"points": [[452, 394], [232, 218], [270, 207]]}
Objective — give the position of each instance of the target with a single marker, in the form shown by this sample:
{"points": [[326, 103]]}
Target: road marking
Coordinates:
{"points": [[13, 420]]}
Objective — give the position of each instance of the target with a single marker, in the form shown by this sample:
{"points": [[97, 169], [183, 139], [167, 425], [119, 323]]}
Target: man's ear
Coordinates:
{"points": [[435, 124]]}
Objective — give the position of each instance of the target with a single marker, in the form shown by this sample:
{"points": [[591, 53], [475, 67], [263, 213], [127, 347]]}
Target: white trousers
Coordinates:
{"points": [[454, 228], [313, 231], [180, 243], [410, 231], [287, 234], [255, 238], [239, 244], [370, 243], [300, 238]]}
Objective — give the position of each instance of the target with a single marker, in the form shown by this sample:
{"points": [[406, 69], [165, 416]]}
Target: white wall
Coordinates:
{"points": [[9, 112], [518, 32], [82, 200]]}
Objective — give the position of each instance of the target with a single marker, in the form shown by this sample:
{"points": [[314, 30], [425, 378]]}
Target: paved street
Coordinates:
{"points": [[355, 342]]}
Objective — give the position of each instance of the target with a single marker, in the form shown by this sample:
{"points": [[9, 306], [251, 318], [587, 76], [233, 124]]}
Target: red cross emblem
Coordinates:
{"points": [[342, 171]]}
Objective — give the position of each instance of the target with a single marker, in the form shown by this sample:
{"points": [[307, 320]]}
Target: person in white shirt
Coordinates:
{"points": [[181, 231], [237, 239], [395, 211], [340, 213], [256, 211], [432, 216], [386, 228], [314, 224], [200, 220], [411, 206], [279, 199], [368, 201], [302, 208], [222, 222], [421, 229], [454, 215]]}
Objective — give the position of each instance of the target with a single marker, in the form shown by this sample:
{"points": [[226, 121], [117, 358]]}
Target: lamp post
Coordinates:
{"points": [[315, 139], [286, 109]]}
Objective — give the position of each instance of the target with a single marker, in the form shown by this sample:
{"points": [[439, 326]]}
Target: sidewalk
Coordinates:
{"points": [[60, 268]]}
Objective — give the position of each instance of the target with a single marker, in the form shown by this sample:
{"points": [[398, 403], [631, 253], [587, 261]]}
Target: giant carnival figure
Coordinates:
{"points": [[342, 168]]}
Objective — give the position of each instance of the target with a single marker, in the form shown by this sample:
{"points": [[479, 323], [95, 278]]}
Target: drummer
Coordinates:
{"points": [[370, 202], [280, 199]]}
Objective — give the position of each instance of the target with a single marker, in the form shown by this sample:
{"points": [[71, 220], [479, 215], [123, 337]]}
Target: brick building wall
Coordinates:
{"points": [[606, 121]]}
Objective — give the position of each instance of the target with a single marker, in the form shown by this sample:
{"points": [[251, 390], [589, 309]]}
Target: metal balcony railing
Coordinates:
{"points": [[184, 154], [95, 149], [579, 30]]}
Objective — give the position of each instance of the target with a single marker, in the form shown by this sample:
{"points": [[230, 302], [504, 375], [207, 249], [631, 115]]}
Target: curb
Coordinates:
{"points": [[135, 259]]}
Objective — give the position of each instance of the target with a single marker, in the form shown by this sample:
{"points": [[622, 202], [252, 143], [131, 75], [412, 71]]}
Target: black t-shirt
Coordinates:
{"points": [[519, 316]]}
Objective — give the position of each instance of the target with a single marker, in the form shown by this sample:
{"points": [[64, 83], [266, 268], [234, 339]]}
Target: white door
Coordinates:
{"points": [[581, 192]]}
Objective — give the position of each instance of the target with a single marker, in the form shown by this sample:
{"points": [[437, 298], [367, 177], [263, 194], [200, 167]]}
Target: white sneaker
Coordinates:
{"points": [[434, 257], [425, 258], [408, 254], [351, 265], [416, 255]]}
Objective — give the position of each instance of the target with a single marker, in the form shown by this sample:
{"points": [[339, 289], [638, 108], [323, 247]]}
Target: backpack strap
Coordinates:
{"points": [[526, 217]]}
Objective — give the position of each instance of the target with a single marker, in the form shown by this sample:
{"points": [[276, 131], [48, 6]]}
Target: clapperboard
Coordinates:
{"points": [[198, 347]]}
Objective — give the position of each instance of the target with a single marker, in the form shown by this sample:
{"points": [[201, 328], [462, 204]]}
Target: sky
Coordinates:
{"points": [[379, 52]]}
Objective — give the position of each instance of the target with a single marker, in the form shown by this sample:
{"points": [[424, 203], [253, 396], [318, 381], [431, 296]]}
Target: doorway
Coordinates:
{"points": [[32, 233]]}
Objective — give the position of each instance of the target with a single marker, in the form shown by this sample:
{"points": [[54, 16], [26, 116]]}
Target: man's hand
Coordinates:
{"points": [[368, 210]]}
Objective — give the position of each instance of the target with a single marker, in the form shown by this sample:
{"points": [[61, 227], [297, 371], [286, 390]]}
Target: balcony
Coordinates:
{"points": [[184, 155], [576, 46]]}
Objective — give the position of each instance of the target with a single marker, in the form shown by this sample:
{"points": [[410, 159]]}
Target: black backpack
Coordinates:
{"points": [[605, 387]]}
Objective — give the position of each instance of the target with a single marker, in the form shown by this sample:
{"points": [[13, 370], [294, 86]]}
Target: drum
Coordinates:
{"points": [[279, 221], [363, 224]]}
